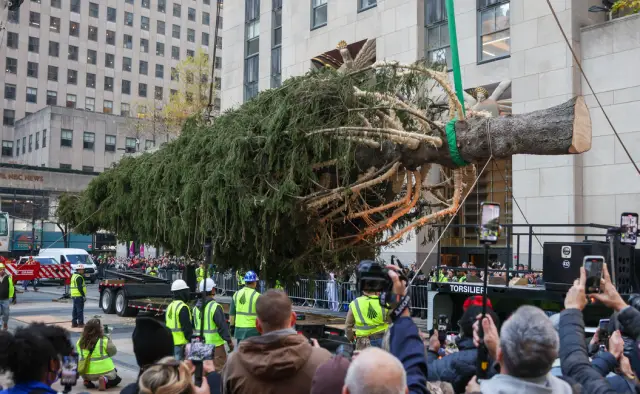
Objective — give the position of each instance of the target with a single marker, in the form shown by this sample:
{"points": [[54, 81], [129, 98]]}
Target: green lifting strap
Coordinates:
{"points": [[453, 146]]}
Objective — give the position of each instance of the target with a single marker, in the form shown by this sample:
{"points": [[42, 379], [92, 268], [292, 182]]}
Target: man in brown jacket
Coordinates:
{"points": [[279, 361]]}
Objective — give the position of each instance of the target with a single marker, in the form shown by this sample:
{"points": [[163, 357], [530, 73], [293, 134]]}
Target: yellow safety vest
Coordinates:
{"points": [[199, 274], [153, 271], [279, 285], [245, 301], [99, 361], [11, 288], [172, 321], [211, 331], [240, 279], [75, 292], [372, 321]]}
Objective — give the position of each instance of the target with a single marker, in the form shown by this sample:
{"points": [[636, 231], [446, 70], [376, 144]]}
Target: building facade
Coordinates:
{"points": [[512, 46], [107, 56]]}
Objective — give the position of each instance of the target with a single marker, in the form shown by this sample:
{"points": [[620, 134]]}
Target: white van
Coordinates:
{"points": [[75, 257]]}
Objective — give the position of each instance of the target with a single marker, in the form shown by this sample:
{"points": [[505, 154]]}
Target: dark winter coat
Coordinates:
{"points": [[457, 368]]}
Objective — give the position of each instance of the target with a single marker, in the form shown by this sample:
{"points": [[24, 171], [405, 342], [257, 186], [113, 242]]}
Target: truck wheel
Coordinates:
{"points": [[122, 305], [107, 301]]}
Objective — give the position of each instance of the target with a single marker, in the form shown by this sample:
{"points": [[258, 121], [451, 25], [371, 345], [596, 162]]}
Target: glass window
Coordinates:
{"points": [[75, 6], [144, 67], [191, 14], [65, 166], [276, 42], [126, 87], [71, 100], [34, 44], [8, 117], [494, 30], [87, 168], [160, 27], [30, 142], [74, 29], [438, 50], [88, 140], [7, 148], [34, 19], [219, 22], [66, 138], [91, 80], [126, 64], [130, 144], [162, 6], [24, 145], [11, 65], [128, 1], [14, 16], [37, 140], [159, 71], [205, 39], [32, 95], [142, 89], [125, 110], [144, 45], [52, 73], [206, 18], [54, 24], [44, 138], [90, 104], [73, 52], [54, 49], [144, 23], [148, 144], [159, 49], [72, 77], [145, 3], [92, 56], [56, 3], [32, 69], [13, 40], [175, 31], [128, 41], [17, 146], [111, 37], [52, 99], [93, 33], [318, 13], [108, 84], [94, 10], [177, 11], [366, 4], [191, 35], [158, 92], [190, 53], [251, 69], [175, 53], [218, 63], [111, 14], [107, 107], [110, 142], [10, 91], [128, 18]]}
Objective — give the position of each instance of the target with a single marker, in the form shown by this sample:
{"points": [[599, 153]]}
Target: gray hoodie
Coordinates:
{"points": [[505, 384]]}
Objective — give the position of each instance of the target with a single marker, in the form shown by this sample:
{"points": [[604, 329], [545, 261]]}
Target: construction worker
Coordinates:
{"points": [[7, 293], [242, 313], [200, 273], [278, 285], [152, 270], [216, 331], [79, 296], [178, 318], [240, 280], [365, 314]]}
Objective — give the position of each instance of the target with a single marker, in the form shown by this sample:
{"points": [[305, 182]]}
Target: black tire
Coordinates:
{"points": [[122, 305], [108, 301]]}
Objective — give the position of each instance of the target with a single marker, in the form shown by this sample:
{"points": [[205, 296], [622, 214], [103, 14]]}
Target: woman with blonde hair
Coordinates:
{"points": [[170, 376], [94, 352]]}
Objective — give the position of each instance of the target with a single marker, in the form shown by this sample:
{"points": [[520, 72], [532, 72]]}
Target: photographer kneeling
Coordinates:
{"points": [[94, 352]]}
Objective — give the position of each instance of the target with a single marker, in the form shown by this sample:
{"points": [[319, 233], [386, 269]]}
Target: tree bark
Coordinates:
{"points": [[560, 130]]}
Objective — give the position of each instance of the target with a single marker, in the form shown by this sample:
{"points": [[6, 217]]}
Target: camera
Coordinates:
{"points": [[373, 277]]}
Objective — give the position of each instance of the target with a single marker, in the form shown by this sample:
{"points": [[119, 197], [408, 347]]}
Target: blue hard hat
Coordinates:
{"points": [[250, 276]]}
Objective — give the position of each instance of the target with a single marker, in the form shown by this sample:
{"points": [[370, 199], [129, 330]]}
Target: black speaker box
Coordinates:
{"points": [[561, 262]]}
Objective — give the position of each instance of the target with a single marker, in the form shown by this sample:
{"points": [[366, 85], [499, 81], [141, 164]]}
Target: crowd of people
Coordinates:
{"points": [[528, 353]]}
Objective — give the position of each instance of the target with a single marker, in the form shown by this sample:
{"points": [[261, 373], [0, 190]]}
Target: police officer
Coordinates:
{"points": [[78, 295], [216, 331], [366, 315], [7, 295], [200, 273], [178, 318], [152, 269], [243, 309]]}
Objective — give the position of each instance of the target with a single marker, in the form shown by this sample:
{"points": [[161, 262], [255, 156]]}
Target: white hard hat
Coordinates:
{"points": [[179, 285], [210, 284], [79, 266]]}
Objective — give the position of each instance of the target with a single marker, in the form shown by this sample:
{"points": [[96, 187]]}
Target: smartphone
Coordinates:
{"points": [[69, 370], [199, 351], [629, 225], [443, 324], [490, 222], [603, 333], [593, 265]]}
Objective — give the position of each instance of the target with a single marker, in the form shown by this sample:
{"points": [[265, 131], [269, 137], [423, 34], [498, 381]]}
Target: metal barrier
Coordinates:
{"points": [[169, 275]]}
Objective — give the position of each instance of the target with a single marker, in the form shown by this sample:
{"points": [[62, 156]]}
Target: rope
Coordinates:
{"points": [[453, 145]]}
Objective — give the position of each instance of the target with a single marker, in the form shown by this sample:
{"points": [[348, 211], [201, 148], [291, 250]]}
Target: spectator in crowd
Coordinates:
{"points": [[94, 352], [32, 355], [375, 371], [169, 376], [329, 377], [525, 350], [278, 361]]}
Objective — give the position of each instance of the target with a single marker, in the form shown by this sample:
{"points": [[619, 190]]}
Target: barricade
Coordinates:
{"points": [[38, 271]]}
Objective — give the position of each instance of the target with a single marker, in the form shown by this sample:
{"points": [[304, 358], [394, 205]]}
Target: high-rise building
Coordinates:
{"points": [[101, 56]]}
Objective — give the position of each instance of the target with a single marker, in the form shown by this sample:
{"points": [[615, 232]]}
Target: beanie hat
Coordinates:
{"points": [[330, 375], [470, 316], [475, 301], [151, 341]]}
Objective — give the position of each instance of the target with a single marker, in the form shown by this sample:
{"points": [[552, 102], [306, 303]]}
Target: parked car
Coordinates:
{"points": [[43, 260]]}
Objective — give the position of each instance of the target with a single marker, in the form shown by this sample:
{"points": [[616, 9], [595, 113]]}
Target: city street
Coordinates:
{"points": [[44, 306]]}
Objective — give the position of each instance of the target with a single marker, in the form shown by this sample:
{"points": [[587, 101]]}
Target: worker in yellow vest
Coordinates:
{"points": [[216, 331], [152, 269], [178, 318], [367, 321], [242, 313], [240, 280], [78, 295], [94, 354], [7, 295], [278, 285], [200, 273]]}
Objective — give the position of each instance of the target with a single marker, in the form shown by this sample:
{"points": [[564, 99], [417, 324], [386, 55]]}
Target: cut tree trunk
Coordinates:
{"points": [[560, 130]]}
